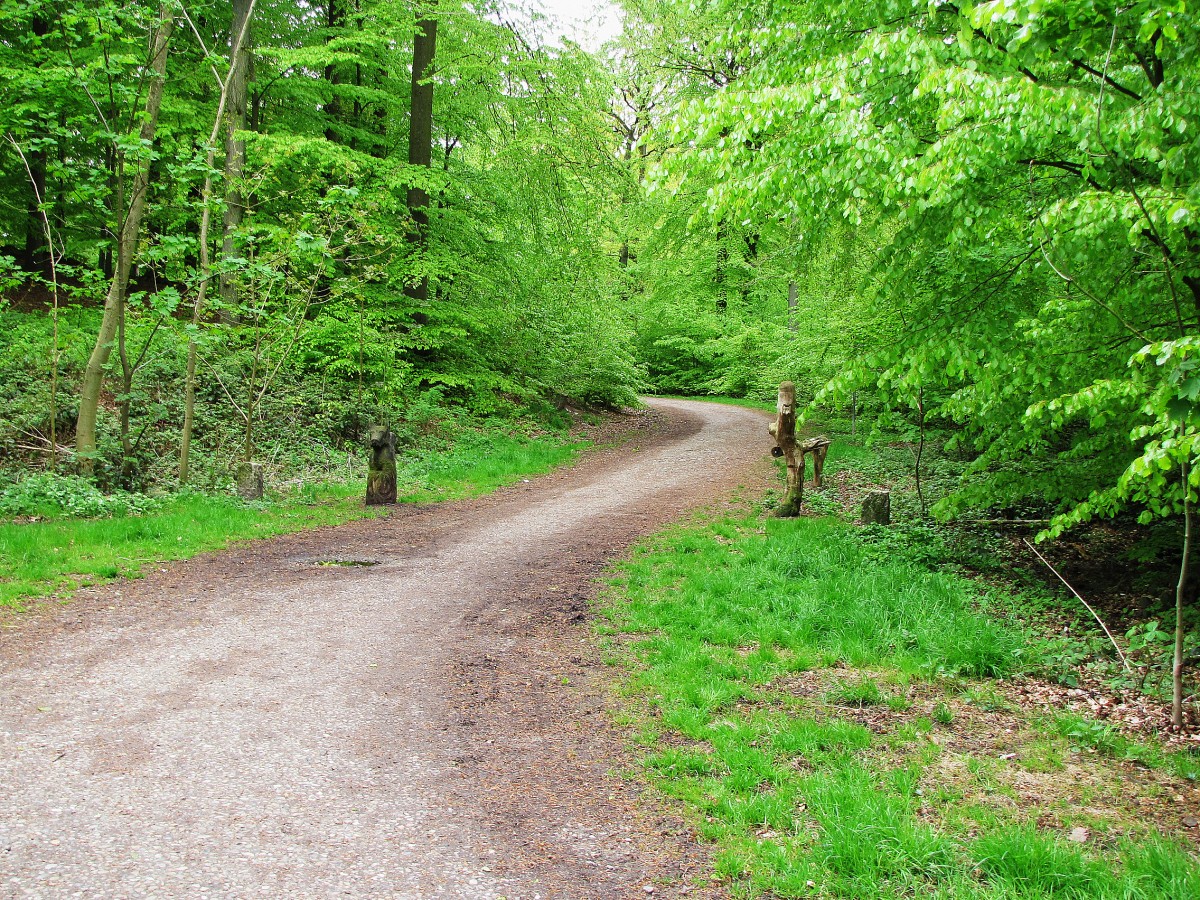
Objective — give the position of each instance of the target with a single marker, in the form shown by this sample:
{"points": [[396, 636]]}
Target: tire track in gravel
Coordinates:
{"points": [[252, 724]]}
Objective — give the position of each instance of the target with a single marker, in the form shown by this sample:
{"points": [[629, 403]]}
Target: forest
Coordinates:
{"points": [[242, 234], [217, 218]]}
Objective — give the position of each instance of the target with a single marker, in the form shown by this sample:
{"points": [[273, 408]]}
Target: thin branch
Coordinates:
{"points": [[1107, 79], [1095, 615]]}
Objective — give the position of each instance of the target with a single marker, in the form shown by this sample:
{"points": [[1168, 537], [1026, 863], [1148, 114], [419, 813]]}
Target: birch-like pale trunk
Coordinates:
{"points": [[127, 238]]}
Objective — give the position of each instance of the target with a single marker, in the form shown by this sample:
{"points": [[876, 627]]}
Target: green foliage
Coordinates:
{"points": [[50, 496], [309, 319], [987, 212]]}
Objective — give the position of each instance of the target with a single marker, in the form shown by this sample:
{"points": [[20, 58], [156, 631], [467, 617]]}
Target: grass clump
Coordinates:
{"points": [[61, 553], [479, 462], [766, 654]]}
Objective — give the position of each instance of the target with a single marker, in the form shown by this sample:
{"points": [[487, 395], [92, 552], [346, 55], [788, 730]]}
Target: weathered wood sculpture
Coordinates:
{"points": [[381, 470], [818, 447], [783, 429]]}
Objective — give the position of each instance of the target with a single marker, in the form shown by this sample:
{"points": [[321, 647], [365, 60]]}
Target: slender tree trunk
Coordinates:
{"points": [[52, 262], [125, 401], [722, 264], [36, 255], [920, 448], [793, 291], [1180, 592], [93, 376], [420, 138], [38, 252], [189, 392], [238, 81]]}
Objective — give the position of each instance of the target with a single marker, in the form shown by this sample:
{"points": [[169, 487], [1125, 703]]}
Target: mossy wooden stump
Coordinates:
{"points": [[877, 508], [381, 470], [251, 480]]}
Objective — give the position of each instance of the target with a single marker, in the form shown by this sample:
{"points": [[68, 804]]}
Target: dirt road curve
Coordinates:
{"points": [[254, 724]]}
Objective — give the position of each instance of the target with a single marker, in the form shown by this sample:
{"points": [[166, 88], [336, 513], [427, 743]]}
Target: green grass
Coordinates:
{"points": [[753, 648], [1090, 734], [56, 556], [478, 464], [727, 401], [62, 552], [809, 588]]}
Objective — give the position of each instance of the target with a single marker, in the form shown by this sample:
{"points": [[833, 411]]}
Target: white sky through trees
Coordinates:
{"points": [[590, 22]]}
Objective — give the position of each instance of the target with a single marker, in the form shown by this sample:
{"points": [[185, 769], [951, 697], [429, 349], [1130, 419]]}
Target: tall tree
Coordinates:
{"points": [[227, 117], [420, 136], [241, 55], [127, 238]]}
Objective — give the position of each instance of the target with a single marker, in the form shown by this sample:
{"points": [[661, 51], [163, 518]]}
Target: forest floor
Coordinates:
{"points": [[404, 707]]}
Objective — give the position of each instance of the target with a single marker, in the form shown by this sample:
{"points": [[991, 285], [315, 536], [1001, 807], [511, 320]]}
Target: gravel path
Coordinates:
{"points": [[253, 724]]}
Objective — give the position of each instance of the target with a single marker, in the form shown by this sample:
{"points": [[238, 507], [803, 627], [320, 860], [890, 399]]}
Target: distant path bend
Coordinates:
{"points": [[253, 724]]}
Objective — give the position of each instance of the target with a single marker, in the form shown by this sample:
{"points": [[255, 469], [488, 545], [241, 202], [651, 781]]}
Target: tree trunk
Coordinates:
{"points": [[37, 259], [420, 139], [783, 429], [238, 37], [793, 291], [722, 265], [240, 54], [1180, 591], [920, 449], [335, 17], [93, 376], [37, 249]]}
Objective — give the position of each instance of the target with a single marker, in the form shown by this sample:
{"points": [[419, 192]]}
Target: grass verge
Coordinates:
{"points": [[833, 714], [62, 550], [726, 401]]}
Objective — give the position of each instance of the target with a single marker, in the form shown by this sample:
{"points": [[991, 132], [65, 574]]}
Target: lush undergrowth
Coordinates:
{"points": [[833, 713], [479, 463], [62, 533]]}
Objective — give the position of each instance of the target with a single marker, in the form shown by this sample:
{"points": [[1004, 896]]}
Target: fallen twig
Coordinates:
{"points": [[1095, 615]]}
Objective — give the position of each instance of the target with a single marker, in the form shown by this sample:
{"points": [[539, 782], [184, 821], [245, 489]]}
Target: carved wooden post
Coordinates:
{"points": [[381, 470], [818, 447], [783, 429], [819, 464]]}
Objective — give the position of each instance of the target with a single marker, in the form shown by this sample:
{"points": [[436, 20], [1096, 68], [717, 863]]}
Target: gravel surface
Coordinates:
{"points": [[255, 724]]}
